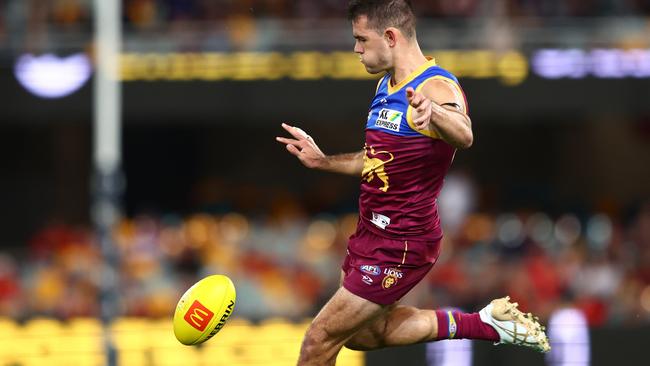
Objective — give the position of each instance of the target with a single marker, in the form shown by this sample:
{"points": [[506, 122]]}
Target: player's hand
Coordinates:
{"points": [[303, 146], [422, 106]]}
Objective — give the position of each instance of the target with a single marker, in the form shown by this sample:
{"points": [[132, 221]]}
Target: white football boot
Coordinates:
{"points": [[513, 326]]}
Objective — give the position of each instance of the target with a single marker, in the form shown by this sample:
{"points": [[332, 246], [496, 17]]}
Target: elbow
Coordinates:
{"points": [[466, 141], [465, 136]]}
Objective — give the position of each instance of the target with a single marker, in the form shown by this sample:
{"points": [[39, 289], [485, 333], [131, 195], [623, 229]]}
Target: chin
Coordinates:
{"points": [[373, 70]]}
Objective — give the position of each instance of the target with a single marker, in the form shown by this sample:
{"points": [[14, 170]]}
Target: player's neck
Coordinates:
{"points": [[406, 62]]}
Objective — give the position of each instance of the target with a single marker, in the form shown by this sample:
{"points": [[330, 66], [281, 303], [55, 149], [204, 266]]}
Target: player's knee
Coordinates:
{"points": [[368, 339], [314, 343], [359, 344]]}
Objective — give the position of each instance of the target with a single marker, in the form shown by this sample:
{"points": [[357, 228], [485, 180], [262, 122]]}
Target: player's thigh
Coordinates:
{"points": [[369, 334], [343, 316]]}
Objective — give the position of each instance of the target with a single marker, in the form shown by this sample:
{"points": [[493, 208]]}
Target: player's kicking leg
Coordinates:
{"points": [[500, 322], [350, 320], [359, 324]]}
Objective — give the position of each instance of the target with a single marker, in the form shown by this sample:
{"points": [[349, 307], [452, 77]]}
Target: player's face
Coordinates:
{"points": [[371, 46]]}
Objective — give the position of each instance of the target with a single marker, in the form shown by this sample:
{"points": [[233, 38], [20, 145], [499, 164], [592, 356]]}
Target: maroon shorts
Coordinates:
{"points": [[383, 270]]}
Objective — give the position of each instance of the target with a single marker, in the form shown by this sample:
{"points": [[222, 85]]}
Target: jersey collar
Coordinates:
{"points": [[394, 88]]}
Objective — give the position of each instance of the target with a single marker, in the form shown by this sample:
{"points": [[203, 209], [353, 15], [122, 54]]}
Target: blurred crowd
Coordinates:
{"points": [[287, 264], [258, 25], [148, 13]]}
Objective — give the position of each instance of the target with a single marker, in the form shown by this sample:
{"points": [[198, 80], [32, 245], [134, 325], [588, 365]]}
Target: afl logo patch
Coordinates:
{"points": [[370, 269]]}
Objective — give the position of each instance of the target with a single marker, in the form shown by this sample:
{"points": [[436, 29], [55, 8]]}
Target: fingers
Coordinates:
{"points": [[287, 141], [293, 150], [297, 145], [296, 132], [422, 116], [423, 108], [421, 122], [414, 98], [294, 146]]}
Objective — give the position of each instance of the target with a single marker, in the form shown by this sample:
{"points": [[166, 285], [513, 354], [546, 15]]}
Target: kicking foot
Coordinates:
{"points": [[513, 326]]}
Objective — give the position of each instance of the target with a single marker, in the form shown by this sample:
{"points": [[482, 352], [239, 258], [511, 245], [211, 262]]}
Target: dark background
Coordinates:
{"points": [[566, 145]]}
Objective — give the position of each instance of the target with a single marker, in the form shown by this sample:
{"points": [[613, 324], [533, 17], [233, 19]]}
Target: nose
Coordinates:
{"points": [[358, 48]]}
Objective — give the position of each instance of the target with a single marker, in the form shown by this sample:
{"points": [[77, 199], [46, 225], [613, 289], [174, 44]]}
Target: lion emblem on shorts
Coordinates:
{"points": [[388, 282], [392, 275], [374, 166]]}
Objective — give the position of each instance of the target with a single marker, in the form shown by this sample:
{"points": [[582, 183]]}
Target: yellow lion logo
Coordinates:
{"points": [[375, 167], [388, 282]]}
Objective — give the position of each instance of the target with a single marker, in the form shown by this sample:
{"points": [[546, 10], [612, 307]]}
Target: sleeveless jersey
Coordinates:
{"points": [[404, 168]]}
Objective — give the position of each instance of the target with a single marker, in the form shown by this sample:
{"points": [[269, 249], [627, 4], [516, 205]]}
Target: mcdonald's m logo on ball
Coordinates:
{"points": [[198, 316]]}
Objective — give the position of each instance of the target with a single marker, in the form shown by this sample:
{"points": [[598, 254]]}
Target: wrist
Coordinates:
{"points": [[324, 163]]}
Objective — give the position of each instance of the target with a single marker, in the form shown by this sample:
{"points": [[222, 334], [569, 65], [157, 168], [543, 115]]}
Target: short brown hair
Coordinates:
{"points": [[385, 13]]}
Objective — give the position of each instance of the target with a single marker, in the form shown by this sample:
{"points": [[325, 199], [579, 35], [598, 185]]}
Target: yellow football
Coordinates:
{"points": [[203, 309]]}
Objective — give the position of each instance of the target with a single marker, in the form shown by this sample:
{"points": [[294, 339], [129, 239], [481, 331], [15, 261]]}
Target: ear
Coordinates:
{"points": [[390, 35]]}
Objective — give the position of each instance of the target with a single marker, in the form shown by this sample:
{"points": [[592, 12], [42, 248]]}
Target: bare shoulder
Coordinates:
{"points": [[444, 91]]}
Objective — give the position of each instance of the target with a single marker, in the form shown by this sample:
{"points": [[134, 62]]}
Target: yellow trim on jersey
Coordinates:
{"points": [[409, 110], [392, 89], [379, 83]]}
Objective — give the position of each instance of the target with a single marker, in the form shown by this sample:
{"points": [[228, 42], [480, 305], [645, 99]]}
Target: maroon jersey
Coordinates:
{"points": [[403, 168]]}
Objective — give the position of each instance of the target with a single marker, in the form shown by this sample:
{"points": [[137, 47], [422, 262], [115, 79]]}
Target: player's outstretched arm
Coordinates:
{"points": [[310, 155], [441, 108]]}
